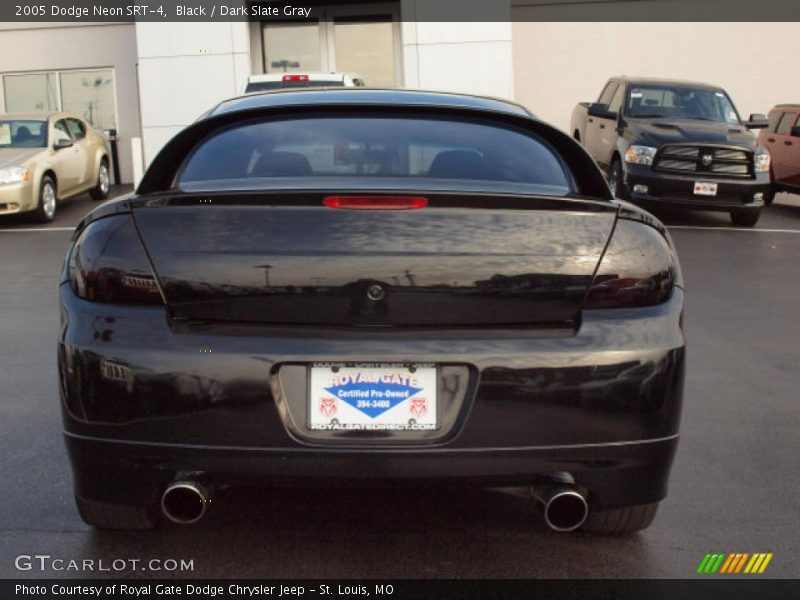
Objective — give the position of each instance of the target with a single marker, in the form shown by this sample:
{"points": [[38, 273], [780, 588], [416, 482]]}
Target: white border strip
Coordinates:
{"points": [[750, 229], [30, 229]]}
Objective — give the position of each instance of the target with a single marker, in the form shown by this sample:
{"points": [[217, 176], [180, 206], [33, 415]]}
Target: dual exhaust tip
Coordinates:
{"points": [[185, 502], [565, 509]]}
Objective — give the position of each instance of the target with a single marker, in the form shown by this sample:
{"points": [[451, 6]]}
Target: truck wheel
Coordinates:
{"points": [[746, 217], [616, 180], [46, 209], [100, 190], [116, 516], [620, 520]]}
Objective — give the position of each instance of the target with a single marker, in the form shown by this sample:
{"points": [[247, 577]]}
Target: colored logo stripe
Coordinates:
{"points": [[737, 562]]}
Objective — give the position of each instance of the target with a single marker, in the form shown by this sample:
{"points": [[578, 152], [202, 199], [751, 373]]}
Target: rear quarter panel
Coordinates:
{"points": [[578, 122], [98, 147]]}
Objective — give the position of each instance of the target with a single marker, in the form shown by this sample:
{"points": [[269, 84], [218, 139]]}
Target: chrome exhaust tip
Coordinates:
{"points": [[184, 502], [565, 509]]}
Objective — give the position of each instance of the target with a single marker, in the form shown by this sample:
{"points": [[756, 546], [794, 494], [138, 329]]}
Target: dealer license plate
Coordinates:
{"points": [[705, 188], [375, 397]]}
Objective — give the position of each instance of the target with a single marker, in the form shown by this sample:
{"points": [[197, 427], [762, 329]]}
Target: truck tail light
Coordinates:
{"points": [[295, 78]]}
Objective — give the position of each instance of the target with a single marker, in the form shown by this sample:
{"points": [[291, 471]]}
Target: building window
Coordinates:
{"points": [[355, 39], [87, 93], [291, 47], [31, 92], [366, 47]]}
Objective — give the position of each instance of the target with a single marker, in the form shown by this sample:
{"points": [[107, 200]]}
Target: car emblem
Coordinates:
{"points": [[419, 406], [708, 159], [376, 292], [327, 406]]}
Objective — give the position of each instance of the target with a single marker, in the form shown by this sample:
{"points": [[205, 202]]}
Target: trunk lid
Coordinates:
{"points": [[286, 259]]}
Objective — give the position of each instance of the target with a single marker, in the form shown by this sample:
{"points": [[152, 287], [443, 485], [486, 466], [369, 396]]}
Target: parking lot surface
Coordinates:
{"points": [[733, 488]]}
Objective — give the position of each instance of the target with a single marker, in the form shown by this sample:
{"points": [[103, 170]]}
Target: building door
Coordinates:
{"points": [[363, 40]]}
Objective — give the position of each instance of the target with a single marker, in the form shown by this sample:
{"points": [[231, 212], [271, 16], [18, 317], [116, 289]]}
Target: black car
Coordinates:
{"points": [[676, 143], [363, 287]]}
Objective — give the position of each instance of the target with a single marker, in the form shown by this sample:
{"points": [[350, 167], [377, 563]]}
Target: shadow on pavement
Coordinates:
{"points": [[358, 533]]}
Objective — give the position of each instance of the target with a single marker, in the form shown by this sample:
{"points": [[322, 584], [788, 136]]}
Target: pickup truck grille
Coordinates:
{"points": [[705, 160]]}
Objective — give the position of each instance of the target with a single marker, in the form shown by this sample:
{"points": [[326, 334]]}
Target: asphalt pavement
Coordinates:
{"points": [[734, 485]]}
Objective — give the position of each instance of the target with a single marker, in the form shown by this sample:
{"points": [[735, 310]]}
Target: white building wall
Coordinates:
{"points": [[28, 47], [557, 65], [184, 70], [470, 57]]}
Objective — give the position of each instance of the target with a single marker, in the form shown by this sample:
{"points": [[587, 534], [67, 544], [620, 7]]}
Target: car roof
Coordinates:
{"points": [[667, 81], [38, 116], [793, 106], [365, 97]]}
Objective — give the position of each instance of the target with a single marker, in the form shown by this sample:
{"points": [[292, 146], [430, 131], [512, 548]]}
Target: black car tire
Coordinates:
{"points": [[100, 190], [620, 520], [116, 516], [769, 197], [48, 204], [746, 218], [617, 180]]}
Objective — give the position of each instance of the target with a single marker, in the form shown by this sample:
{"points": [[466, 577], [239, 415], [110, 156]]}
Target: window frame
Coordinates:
{"points": [[791, 118], [52, 142], [620, 93], [611, 82], [773, 125], [81, 128], [58, 91], [327, 16], [572, 186]]}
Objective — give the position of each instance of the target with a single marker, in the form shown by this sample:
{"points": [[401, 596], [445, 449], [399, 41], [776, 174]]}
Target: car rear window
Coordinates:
{"points": [[349, 148]]}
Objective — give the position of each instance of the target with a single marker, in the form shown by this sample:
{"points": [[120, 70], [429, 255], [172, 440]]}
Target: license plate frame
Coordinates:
{"points": [[373, 397], [705, 188]]}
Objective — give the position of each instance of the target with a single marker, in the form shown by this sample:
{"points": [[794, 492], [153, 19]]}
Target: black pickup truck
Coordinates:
{"points": [[676, 143]]}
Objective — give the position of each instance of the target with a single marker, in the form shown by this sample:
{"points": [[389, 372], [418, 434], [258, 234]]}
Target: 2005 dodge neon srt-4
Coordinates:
{"points": [[366, 287]]}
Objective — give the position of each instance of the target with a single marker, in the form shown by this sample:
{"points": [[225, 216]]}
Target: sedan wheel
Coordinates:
{"points": [[100, 191], [46, 210]]}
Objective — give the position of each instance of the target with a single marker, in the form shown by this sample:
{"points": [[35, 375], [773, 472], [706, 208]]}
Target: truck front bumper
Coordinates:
{"points": [[647, 186]]}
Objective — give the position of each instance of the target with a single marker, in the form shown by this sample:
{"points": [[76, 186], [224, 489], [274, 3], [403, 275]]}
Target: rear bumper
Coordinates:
{"points": [[134, 473], [669, 189], [144, 399]]}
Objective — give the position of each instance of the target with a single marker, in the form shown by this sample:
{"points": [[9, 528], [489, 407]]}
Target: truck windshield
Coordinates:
{"points": [[680, 102]]}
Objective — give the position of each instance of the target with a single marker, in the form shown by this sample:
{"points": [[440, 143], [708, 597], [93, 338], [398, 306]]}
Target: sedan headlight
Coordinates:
{"points": [[762, 160], [13, 175], [640, 155]]}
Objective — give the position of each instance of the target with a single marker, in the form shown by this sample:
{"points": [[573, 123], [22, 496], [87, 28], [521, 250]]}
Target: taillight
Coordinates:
{"points": [[295, 78], [638, 268], [376, 202], [108, 264]]}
